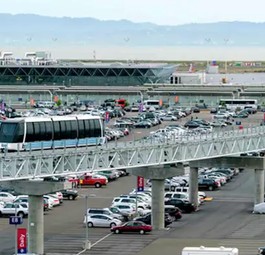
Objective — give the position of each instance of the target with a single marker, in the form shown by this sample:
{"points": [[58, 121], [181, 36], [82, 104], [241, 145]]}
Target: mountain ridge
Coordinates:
{"points": [[22, 29]]}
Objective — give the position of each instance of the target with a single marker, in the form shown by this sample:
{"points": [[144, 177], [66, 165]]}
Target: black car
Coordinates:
{"points": [[208, 184], [147, 219], [70, 194], [191, 124], [184, 206], [196, 109], [213, 110], [173, 211]]}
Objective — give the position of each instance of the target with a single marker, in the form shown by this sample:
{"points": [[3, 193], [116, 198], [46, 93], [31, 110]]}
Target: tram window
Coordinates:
{"points": [[57, 131], [19, 133], [68, 129], [64, 134], [81, 129], [92, 132], [37, 133], [73, 129], [87, 128], [97, 128], [42, 131], [48, 135], [30, 132]]}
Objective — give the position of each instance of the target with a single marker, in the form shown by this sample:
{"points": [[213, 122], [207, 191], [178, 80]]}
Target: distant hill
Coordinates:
{"points": [[41, 30]]}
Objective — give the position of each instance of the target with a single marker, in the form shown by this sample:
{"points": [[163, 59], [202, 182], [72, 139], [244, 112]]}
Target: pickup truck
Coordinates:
{"points": [[89, 180]]}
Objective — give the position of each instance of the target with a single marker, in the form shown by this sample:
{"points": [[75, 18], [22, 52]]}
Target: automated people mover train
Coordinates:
{"points": [[35, 133]]}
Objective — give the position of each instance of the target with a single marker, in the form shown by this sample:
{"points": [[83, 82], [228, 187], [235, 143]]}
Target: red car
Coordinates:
{"points": [[132, 227]]}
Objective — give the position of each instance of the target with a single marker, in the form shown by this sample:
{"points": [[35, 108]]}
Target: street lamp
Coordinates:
{"points": [[87, 243]]}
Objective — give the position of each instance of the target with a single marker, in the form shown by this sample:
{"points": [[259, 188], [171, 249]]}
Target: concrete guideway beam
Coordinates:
{"points": [[35, 190], [157, 172], [244, 162]]}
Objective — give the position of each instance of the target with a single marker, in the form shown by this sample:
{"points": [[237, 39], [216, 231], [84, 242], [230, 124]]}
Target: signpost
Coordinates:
{"points": [[21, 241], [15, 220], [140, 184]]}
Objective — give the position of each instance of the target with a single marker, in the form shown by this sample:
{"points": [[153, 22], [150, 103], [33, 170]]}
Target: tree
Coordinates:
{"points": [[59, 102]]}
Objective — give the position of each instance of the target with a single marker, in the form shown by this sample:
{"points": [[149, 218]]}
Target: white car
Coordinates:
{"points": [[6, 197], [121, 200], [51, 201], [20, 210], [220, 116], [169, 117], [128, 209], [259, 208], [58, 195], [140, 199], [101, 220], [55, 199]]}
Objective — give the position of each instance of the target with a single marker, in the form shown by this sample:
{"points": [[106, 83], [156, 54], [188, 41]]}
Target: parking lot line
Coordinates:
{"points": [[101, 239]]}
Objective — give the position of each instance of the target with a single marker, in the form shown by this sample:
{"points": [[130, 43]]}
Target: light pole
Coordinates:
{"points": [[87, 243]]}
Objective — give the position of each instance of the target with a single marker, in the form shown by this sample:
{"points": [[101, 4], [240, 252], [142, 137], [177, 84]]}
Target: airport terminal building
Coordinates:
{"points": [[36, 68]]}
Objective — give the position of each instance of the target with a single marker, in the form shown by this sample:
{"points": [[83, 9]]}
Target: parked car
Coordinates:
{"points": [[209, 184], [19, 209], [70, 194], [147, 219], [132, 227], [173, 211], [184, 206], [104, 211], [100, 220], [259, 208], [89, 180], [6, 197]]}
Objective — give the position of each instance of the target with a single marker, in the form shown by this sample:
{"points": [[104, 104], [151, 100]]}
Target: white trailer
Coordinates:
{"points": [[209, 251]]}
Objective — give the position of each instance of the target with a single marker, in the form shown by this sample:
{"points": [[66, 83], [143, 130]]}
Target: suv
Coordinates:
{"points": [[105, 211], [209, 184], [21, 210], [182, 205]]}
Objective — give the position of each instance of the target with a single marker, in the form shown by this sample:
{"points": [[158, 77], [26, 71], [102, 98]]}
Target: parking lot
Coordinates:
{"points": [[227, 220]]}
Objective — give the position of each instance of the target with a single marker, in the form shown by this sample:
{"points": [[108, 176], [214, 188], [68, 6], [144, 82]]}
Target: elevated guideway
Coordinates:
{"points": [[133, 154]]}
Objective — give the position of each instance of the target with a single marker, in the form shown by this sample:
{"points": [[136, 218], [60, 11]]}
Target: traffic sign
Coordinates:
{"points": [[140, 183], [15, 220], [22, 241]]}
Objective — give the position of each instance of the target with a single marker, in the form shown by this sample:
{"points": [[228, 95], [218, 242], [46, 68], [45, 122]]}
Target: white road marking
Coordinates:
{"points": [[100, 240]]}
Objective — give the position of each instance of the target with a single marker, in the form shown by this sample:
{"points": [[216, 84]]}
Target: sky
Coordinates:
{"points": [[162, 12]]}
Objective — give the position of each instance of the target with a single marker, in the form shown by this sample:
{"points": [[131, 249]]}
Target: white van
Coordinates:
{"points": [[209, 251]]}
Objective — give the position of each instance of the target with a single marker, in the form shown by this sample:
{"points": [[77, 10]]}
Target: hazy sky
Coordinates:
{"points": [[170, 12]]}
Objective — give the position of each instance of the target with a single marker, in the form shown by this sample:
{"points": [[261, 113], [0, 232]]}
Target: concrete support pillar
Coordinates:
{"points": [[259, 186], [35, 190], [158, 215], [35, 225], [193, 186]]}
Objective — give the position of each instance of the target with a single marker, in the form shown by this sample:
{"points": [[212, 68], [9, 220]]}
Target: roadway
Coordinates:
{"points": [[227, 220]]}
